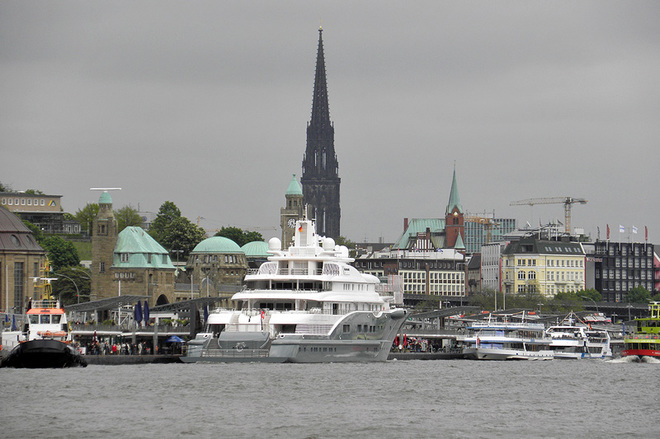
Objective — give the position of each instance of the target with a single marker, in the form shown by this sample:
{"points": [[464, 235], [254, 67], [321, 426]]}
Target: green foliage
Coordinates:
{"points": [[61, 253], [181, 234], [345, 242], [36, 231], [86, 217], [167, 213], [34, 192], [638, 295], [590, 294], [68, 217], [69, 278], [239, 236], [127, 216], [5, 187]]}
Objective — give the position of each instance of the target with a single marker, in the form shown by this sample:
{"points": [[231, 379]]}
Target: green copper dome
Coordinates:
{"points": [[105, 198], [256, 249], [217, 244], [294, 187]]}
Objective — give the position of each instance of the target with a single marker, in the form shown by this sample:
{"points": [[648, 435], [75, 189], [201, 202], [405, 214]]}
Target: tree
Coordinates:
{"points": [[36, 231], [167, 213], [181, 234], [590, 294], [70, 282], [34, 192], [127, 216], [239, 236], [638, 295], [61, 253], [5, 187], [86, 217]]}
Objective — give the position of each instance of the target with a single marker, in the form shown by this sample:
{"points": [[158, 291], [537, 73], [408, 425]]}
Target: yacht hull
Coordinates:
{"points": [[506, 354]]}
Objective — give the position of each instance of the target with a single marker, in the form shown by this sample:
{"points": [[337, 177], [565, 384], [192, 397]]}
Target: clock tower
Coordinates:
{"points": [[291, 212]]}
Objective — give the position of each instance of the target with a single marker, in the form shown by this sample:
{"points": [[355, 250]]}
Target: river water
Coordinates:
{"points": [[396, 399]]}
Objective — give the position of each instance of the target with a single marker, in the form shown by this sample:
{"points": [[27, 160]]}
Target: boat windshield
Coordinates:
{"points": [[45, 319], [34, 319], [56, 319]]}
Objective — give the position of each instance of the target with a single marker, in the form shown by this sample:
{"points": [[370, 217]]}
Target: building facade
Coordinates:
{"points": [[480, 232], [216, 268], [532, 265], [320, 168], [22, 262], [128, 263], [434, 273], [44, 211], [621, 266]]}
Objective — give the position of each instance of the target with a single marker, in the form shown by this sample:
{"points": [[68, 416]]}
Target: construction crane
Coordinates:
{"points": [[488, 224], [566, 201]]}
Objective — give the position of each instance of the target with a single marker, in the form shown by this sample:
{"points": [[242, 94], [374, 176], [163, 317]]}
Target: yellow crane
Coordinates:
{"points": [[566, 201], [488, 224]]}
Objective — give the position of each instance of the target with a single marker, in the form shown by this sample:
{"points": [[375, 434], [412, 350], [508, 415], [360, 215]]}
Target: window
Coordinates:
{"points": [[18, 287], [521, 275], [29, 202], [102, 267]]}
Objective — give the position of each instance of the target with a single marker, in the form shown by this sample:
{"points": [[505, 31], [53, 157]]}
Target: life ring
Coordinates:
{"points": [[240, 346]]}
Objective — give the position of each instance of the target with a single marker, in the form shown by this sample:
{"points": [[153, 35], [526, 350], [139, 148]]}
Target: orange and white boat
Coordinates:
{"points": [[47, 340]]}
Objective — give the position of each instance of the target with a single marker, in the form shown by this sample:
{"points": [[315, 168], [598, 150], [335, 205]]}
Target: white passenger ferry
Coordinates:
{"points": [[574, 339], [506, 340], [305, 304]]}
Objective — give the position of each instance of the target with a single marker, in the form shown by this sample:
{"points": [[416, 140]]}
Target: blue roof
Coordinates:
{"points": [[105, 198]]}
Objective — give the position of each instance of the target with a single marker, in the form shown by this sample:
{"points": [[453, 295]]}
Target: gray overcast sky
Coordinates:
{"points": [[205, 104]]}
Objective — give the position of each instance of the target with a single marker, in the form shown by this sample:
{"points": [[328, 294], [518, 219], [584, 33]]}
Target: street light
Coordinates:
{"points": [[74, 284], [589, 298]]}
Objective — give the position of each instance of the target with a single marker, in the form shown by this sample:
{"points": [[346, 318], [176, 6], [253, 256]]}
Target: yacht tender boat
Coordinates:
{"points": [[305, 304]]}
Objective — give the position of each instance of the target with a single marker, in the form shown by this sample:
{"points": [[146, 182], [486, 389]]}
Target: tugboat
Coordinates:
{"points": [[47, 341], [644, 342]]}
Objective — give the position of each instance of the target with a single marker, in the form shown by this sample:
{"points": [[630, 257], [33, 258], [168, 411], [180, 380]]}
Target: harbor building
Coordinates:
{"points": [[22, 262], [256, 253], [128, 263], [216, 268], [320, 168], [292, 211], [532, 265], [614, 268], [491, 268], [44, 211]]}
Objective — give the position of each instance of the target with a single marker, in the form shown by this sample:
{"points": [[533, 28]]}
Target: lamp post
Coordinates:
{"points": [[74, 284], [177, 254], [589, 298]]}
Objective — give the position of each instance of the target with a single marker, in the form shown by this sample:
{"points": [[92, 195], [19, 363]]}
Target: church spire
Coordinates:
{"points": [[454, 199], [320, 107], [320, 171]]}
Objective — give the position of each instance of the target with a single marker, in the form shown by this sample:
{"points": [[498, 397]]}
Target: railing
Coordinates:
{"points": [[286, 271], [235, 353], [130, 328]]}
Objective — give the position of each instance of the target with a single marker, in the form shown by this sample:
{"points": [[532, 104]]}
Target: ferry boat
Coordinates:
{"points": [[574, 339], [304, 304], [506, 340], [47, 341], [644, 342]]}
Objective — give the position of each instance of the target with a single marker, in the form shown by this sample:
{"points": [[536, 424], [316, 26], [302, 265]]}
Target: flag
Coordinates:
{"points": [[634, 229], [622, 229], [646, 233], [300, 229], [263, 314], [608, 232]]}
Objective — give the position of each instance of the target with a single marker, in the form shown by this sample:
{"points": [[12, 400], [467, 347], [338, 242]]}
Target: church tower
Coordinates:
{"points": [[104, 238], [291, 212], [320, 169], [454, 218]]}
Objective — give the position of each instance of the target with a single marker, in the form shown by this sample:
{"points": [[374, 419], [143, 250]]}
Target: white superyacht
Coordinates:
{"points": [[305, 304], [574, 339]]}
